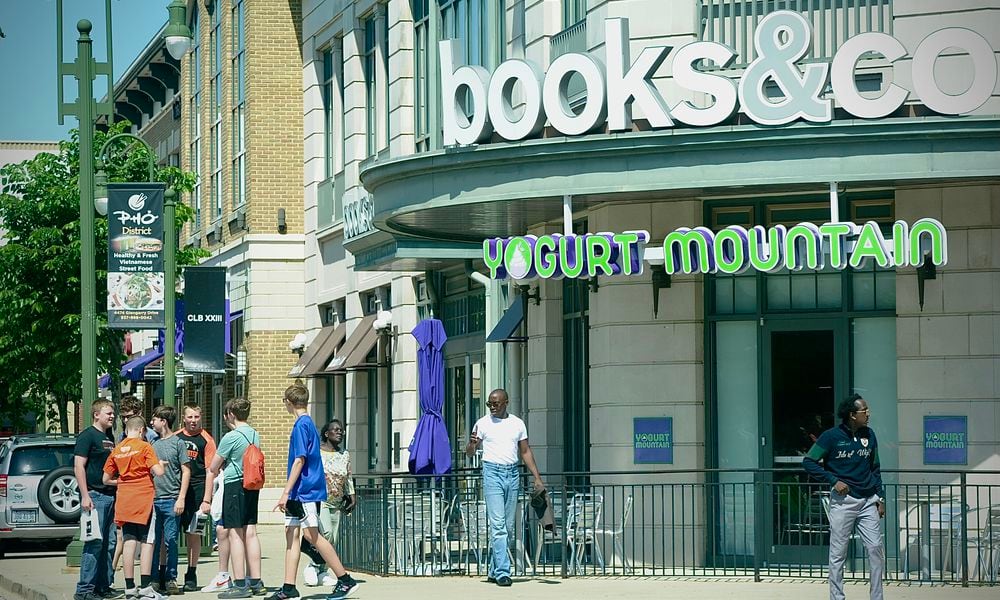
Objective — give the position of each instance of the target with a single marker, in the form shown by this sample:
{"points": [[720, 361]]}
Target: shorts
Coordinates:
{"points": [[305, 514], [192, 502], [138, 532], [239, 506]]}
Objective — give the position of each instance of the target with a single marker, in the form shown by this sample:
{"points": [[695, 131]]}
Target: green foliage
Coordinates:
{"points": [[40, 355]]}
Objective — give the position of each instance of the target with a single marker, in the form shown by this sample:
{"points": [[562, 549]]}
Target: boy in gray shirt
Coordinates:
{"points": [[171, 490]]}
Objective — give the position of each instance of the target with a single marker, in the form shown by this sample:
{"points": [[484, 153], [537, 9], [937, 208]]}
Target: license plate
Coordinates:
{"points": [[23, 516]]}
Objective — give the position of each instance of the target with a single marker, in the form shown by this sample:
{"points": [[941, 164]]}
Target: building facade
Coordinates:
{"points": [[241, 131], [619, 116]]}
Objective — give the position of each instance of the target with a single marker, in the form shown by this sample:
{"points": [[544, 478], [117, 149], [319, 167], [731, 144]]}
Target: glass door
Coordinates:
{"points": [[464, 402], [805, 372]]}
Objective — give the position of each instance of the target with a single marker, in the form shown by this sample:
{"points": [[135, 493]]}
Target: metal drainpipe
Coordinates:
{"points": [[494, 353]]}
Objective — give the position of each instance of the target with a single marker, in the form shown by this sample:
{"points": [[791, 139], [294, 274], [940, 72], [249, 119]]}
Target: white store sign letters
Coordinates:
{"points": [[781, 40]]}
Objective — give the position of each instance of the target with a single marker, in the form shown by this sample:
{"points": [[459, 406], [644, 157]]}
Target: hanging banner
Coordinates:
{"points": [[135, 255], [205, 323]]}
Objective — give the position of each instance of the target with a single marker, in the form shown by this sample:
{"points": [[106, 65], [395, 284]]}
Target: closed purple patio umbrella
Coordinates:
{"points": [[430, 450]]}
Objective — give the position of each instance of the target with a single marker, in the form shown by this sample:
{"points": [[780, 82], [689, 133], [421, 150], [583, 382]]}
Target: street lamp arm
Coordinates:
{"points": [[135, 140]]}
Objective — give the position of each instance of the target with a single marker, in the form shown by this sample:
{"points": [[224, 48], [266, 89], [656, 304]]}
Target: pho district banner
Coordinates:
{"points": [[135, 255], [782, 39], [205, 322]]}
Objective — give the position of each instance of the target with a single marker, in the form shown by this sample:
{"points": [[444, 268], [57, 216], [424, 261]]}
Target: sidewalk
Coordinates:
{"points": [[44, 576]]}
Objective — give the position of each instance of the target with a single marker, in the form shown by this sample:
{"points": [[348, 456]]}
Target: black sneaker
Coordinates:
{"points": [[191, 585], [236, 592], [281, 594], [343, 589], [491, 580], [87, 596], [111, 594], [258, 590], [504, 581]]}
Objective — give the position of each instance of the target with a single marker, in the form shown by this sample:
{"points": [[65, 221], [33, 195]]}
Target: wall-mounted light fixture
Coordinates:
{"points": [[661, 279], [924, 272], [241, 362], [282, 224], [531, 294], [298, 343]]}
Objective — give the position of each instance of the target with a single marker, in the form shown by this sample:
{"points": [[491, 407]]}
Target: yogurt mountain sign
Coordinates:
{"points": [[781, 40]]}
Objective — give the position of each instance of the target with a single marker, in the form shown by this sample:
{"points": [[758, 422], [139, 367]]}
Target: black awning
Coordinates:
{"points": [[506, 328], [355, 350], [319, 352]]}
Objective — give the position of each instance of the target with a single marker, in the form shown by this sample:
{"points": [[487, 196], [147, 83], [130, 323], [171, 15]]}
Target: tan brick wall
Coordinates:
{"points": [[274, 114], [269, 361]]}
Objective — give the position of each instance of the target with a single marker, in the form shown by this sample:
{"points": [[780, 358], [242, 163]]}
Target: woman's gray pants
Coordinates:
{"points": [[845, 512]]}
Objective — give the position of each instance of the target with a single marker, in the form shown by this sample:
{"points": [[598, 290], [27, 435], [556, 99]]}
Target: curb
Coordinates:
{"points": [[19, 590]]}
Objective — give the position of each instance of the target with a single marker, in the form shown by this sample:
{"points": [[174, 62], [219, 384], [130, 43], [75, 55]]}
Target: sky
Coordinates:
{"points": [[28, 105]]}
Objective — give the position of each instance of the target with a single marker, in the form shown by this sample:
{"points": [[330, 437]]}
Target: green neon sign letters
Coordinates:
{"points": [[730, 251]]}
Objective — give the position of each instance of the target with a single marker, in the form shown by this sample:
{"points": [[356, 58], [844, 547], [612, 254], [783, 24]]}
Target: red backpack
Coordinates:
{"points": [[253, 466]]}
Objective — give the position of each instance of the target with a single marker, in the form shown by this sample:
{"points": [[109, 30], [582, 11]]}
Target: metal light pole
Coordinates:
{"points": [[88, 300], [85, 70]]}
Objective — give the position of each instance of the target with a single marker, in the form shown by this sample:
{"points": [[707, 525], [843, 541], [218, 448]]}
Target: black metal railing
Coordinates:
{"points": [[940, 527]]}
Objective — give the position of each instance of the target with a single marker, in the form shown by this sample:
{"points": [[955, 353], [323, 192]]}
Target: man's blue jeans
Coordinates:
{"points": [[500, 488], [165, 528], [95, 559]]}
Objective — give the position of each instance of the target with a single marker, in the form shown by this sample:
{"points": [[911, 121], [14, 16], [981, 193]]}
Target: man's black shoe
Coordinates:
{"points": [[504, 581], [491, 580], [191, 585], [111, 594]]}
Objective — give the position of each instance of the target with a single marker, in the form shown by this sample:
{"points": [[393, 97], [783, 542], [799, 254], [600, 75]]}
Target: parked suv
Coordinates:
{"points": [[39, 496]]}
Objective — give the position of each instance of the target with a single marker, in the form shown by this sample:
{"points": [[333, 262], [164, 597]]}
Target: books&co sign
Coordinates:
{"points": [[478, 104]]}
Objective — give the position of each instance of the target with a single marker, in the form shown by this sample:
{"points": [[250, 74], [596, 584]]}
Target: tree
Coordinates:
{"points": [[40, 355]]}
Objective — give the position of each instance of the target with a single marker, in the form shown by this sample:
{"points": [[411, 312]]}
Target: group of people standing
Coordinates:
{"points": [[155, 482]]}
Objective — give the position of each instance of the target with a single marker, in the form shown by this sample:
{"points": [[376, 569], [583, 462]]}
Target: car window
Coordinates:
{"points": [[39, 460]]}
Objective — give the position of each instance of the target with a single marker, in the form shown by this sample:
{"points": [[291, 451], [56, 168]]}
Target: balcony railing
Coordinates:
{"points": [[733, 22], [940, 527], [571, 39]]}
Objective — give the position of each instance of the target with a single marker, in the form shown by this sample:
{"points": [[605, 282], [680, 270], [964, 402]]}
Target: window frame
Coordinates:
{"points": [[238, 85]]}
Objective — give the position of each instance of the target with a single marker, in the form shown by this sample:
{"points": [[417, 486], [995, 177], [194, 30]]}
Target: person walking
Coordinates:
{"points": [[239, 505], [93, 446], [200, 450], [340, 499], [130, 466], [304, 491], [171, 494], [850, 465], [503, 437]]}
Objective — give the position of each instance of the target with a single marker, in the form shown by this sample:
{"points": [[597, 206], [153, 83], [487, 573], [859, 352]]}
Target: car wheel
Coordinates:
{"points": [[59, 495]]}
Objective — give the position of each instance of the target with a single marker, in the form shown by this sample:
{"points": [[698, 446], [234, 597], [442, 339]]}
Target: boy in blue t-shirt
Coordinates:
{"points": [[301, 498]]}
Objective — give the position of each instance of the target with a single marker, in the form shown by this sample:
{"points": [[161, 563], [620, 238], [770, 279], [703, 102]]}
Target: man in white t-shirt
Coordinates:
{"points": [[503, 437]]}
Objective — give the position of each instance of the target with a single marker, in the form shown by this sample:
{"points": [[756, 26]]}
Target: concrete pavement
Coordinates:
{"points": [[40, 575]]}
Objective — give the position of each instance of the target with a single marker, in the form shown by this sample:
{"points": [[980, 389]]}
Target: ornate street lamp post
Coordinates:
{"points": [[85, 69]]}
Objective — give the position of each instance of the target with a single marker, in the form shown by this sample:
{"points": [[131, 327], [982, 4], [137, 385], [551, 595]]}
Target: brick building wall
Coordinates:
{"points": [[264, 265], [274, 114], [269, 361]]}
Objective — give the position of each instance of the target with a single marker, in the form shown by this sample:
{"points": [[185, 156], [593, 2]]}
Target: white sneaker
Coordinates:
{"points": [[329, 580], [221, 582], [148, 593], [310, 575], [131, 593]]}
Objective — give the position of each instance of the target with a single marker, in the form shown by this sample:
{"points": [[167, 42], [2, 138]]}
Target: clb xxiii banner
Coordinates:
{"points": [[205, 323]]}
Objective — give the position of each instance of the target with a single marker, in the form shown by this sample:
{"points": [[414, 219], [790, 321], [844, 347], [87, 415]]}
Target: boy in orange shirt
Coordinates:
{"points": [[130, 467]]}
